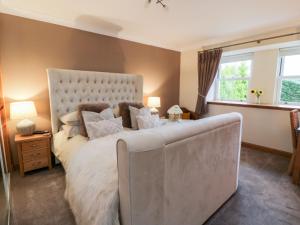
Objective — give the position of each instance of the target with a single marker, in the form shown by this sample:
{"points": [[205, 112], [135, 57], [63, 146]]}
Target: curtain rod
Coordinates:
{"points": [[258, 41]]}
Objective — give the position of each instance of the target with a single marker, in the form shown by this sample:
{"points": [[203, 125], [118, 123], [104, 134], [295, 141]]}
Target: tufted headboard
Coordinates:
{"points": [[70, 88]]}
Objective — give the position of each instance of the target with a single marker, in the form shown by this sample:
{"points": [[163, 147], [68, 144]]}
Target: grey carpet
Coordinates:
{"points": [[265, 196], [38, 199]]}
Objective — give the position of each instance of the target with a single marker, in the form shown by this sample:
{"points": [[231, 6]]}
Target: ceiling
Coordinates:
{"points": [[184, 24]]}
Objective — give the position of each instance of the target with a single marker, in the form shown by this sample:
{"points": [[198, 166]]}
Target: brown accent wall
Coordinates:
{"points": [[28, 47]]}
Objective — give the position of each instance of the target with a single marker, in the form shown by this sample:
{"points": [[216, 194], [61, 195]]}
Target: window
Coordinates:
{"points": [[289, 77], [233, 78]]}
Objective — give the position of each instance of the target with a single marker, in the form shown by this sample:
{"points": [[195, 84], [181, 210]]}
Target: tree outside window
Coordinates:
{"points": [[289, 79], [233, 80]]}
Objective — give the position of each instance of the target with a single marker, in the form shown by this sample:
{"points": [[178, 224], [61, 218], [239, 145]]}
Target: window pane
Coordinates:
{"points": [[233, 90], [291, 65], [290, 91], [239, 69]]}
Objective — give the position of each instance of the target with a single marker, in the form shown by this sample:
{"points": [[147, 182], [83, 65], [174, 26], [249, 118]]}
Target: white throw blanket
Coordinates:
{"points": [[92, 182]]}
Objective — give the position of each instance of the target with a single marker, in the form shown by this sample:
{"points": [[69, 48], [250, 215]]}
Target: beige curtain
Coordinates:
{"points": [[208, 64]]}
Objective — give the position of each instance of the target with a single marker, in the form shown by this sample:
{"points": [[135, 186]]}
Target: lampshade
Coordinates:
{"points": [[175, 109], [22, 110], [154, 102]]}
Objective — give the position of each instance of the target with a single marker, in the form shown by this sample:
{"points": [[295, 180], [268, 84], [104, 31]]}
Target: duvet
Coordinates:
{"points": [[92, 182]]}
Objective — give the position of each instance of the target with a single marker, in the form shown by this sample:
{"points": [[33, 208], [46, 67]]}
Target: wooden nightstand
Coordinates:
{"points": [[34, 152]]}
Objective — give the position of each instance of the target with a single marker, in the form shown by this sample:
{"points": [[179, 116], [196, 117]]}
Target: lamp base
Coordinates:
{"points": [[154, 111], [25, 127]]}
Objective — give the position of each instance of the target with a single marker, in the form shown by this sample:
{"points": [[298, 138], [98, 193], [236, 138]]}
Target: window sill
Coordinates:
{"points": [[252, 105]]}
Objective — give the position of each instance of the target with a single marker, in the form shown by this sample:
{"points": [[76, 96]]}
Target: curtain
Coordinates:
{"points": [[208, 64]]}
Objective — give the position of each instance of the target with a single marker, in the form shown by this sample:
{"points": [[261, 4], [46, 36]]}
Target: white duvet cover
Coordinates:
{"points": [[91, 176], [92, 179]]}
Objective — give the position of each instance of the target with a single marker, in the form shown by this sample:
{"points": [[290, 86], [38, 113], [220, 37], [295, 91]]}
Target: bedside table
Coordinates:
{"points": [[34, 152]]}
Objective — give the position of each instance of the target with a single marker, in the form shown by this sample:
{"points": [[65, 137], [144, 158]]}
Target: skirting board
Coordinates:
{"points": [[267, 149]]}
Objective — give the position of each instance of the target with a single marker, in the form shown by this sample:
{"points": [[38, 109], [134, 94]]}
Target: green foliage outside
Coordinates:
{"points": [[290, 91], [234, 89]]}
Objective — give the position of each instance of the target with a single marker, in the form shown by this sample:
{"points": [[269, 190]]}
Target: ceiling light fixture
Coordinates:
{"points": [[161, 2]]}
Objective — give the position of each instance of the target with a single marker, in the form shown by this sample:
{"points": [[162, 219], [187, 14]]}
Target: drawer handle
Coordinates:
{"points": [[33, 145]]}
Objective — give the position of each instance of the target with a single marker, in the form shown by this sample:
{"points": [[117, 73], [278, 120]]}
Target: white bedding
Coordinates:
{"points": [[65, 148], [91, 177]]}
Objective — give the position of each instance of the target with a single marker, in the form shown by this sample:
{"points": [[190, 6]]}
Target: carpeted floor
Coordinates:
{"points": [[265, 196]]}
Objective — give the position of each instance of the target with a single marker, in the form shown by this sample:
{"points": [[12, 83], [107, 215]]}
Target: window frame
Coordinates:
{"points": [[231, 59], [281, 77]]}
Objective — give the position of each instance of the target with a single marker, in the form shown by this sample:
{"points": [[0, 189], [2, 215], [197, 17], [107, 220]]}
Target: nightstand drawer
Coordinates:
{"points": [[29, 146], [35, 154], [36, 164]]}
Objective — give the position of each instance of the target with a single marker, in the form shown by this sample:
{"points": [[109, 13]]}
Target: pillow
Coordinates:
{"points": [[186, 116], [71, 118], [89, 116], [125, 113], [71, 131], [148, 121], [89, 107], [134, 112], [107, 114], [104, 127]]}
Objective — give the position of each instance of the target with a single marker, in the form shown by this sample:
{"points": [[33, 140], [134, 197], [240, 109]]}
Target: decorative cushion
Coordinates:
{"points": [[71, 131], [125, 113], [186, 116], [89, 116], [92, 108], [107, 114], [71, 118], [148, 121], [134, 112], [104, 127]]}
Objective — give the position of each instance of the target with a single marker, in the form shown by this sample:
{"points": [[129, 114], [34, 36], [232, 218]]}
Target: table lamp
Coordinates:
{"points": [[24, 111], [153, 103], [175, 113]]}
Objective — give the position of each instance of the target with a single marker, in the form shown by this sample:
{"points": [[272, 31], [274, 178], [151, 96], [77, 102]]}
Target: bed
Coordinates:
{"points": [[68, 89], [162, 176]]}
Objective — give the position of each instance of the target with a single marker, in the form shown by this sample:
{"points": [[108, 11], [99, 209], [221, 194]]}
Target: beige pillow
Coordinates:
{"points": [[148, 121], [99, 107], [71, 118], [71, 131], [134, 112], [125, 113], [89, 116], [103, 128]]}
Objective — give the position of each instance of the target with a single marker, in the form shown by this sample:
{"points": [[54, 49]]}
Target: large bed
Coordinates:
{"points": [[161, 176]]}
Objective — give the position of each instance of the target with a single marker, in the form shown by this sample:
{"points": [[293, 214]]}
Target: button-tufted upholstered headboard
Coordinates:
{"points": [[70, 88]]}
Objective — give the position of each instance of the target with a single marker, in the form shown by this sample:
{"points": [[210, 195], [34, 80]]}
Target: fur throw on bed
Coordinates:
{"points": [[92, 182]]}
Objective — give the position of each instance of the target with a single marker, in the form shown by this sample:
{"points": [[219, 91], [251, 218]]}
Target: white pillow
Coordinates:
{"points": [[71, 131], [71, 118], [107, 114], [89, 116], [146, 122], [103, 127], [134, 112]]}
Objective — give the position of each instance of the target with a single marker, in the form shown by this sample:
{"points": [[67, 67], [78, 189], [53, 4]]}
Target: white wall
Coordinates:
{"points": [[264, 73], [188, 79], [264, 127]]}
